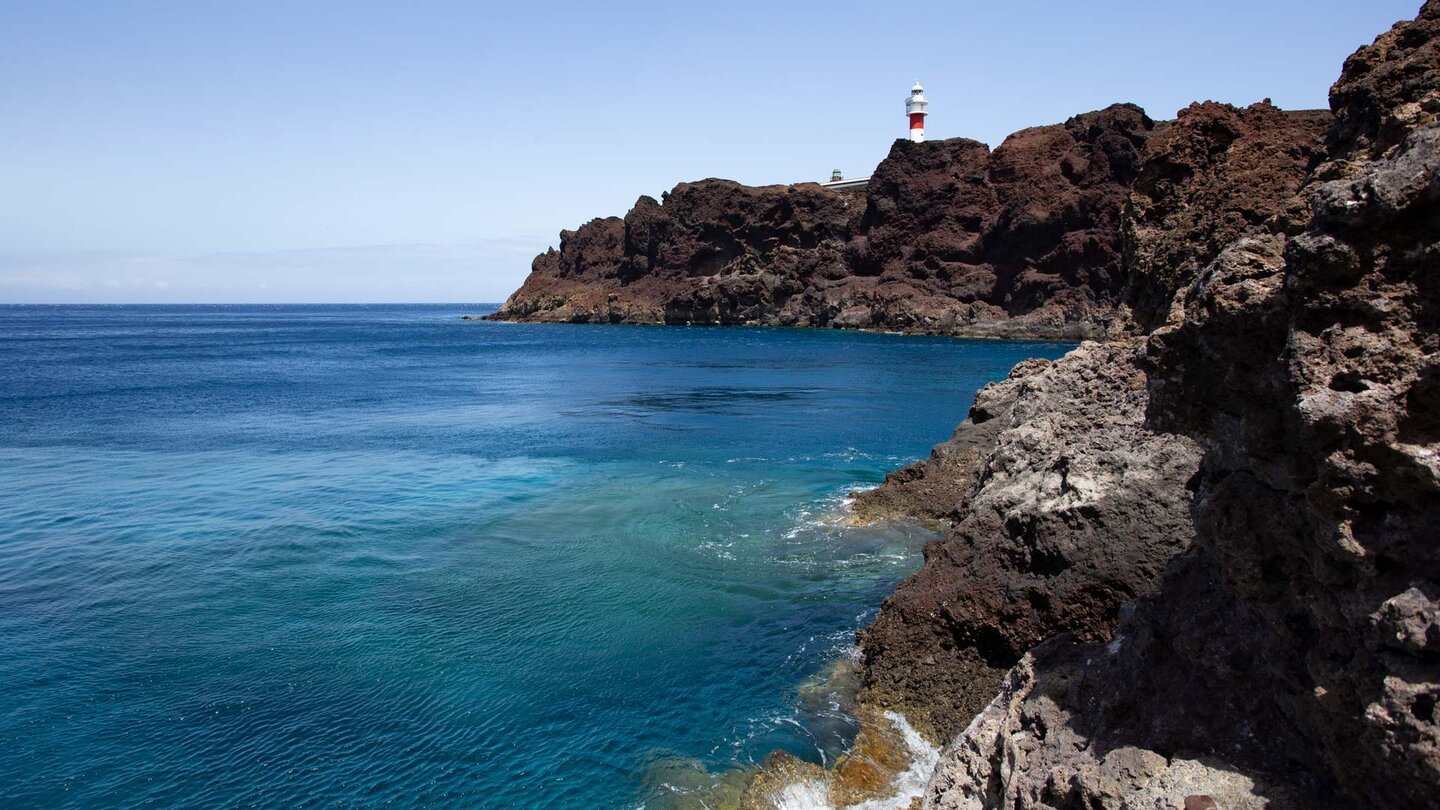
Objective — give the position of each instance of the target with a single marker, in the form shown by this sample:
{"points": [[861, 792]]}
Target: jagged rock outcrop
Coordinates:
{"points": [[1320, 490], [1216, 172], [1023, 241], [1074, 511], [1289, 656], [714, 252], [1207, 176], [1032, 240], [949, 238]]}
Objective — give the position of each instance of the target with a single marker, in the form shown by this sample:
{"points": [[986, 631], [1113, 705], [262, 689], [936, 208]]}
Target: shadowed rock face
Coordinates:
{"points": [[1015, 571], [1212, 175], [1286, 652], [1320, 490]]}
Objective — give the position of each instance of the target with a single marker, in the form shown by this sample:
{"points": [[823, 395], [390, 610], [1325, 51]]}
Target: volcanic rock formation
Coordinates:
{"points": [[715, 252], [949, 238], [1224, 532], [1027, 241], [1074, 511], [1215, 173]]}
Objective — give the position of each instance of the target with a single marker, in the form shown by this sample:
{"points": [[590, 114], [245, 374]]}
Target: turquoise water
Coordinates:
{"points": [[353, 556]]}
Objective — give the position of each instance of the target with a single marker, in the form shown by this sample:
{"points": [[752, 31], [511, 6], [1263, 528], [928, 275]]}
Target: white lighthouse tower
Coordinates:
{"points": [[915, 108]]}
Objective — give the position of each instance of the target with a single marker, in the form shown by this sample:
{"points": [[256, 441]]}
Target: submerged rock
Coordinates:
{"points": [[886, 769]]}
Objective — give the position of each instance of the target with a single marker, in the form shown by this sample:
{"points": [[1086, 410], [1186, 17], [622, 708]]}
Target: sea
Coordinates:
{"points": [[379, 556]]}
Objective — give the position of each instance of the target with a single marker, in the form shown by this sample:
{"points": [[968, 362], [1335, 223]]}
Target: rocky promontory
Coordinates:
{"points": [[1195, 563], [949, 237]]}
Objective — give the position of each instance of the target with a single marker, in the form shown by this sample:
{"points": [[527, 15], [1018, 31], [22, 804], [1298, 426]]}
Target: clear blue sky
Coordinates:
{"points": [[196, 150]]}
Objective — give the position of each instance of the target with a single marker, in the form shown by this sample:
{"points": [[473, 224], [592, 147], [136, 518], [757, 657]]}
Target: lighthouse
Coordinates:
{"points": [[915, 108]]}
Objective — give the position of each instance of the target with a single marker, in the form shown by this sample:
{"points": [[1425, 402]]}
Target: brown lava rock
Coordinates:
{"points": [[1214, 174], [949, 238]]}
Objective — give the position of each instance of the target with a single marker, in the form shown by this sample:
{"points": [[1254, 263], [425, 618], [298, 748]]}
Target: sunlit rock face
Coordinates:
{"points": [[949, 238], [1031, 240], [1075, 510]]}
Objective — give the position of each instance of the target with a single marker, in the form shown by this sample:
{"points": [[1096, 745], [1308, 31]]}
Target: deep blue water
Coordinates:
{"points": [[321, 556]]}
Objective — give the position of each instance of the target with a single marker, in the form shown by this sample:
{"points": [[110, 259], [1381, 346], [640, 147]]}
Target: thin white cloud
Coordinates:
{"points": [[479, 271]]}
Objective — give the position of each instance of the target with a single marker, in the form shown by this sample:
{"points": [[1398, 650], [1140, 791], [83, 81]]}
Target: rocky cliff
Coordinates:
{"points": [[1196, 564], [1200, 565], [713, 252], [1216, 173], [949, 238]]}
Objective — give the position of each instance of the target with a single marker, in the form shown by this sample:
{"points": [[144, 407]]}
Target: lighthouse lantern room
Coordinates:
{"points": [[915, 108]]}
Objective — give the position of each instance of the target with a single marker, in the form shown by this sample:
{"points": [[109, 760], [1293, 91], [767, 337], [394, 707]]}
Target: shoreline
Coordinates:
{"points": [[1190, 565], [888, 761], [885, 763], [979, 336]]}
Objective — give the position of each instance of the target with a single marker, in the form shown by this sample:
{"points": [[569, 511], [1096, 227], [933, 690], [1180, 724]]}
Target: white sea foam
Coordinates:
{"points": [[717, 549], [803, 796], [830, 514], [910, 783]]}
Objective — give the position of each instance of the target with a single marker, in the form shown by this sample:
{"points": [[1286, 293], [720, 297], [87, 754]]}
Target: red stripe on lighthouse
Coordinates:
{"points": [[917, 120]]}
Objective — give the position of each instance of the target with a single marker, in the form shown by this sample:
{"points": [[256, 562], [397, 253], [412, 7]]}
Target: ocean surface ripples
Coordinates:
{"points": [[364, 556]]}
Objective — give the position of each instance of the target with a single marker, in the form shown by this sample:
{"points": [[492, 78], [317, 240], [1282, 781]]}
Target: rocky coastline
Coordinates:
{"points": [[1194, 563], [1198, 565], [1027, 241]]}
